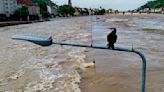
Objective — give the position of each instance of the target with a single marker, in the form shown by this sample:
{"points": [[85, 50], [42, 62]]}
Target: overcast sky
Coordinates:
{"points": [[114, 4]]}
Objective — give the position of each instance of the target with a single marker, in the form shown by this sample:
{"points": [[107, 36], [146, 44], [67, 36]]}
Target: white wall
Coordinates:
{"points": [[1, 7], [8, 6], [34, 10], [49, 9]]}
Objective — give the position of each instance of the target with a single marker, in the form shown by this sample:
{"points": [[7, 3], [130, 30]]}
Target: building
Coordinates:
{"points": [[52, 8], [1, 7], [162, 10], [153, 10], [33, 8], [8, 7], [77, 11]]}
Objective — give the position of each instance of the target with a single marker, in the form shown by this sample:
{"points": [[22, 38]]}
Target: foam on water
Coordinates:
{"points": [[52, 75], [116, 20], [46, 69]]}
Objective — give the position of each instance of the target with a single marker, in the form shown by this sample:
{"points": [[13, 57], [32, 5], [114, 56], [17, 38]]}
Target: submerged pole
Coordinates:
{"points": [[143, 70], [143, 75]]}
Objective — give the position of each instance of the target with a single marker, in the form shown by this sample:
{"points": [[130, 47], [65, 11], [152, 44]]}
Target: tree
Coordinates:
{"points": [[153, 4], [100, 12], [66, 10], [158, 5], [43, 8], [22, 13]]}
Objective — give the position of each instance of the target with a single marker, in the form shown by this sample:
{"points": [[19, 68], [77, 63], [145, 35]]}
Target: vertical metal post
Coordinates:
{"points": [[143, 82], [143, 75]]}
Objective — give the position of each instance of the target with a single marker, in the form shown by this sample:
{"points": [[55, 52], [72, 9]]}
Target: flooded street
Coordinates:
{"points": [[26, 67]]}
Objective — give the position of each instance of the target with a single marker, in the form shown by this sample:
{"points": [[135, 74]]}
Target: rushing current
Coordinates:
{"points": [[27, 67]]}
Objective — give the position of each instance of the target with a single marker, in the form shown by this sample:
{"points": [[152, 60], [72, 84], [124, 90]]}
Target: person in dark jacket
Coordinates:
{"points": [[112, 38]]}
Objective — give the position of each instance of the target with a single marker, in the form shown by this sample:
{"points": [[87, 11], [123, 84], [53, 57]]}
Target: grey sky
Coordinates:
{"points": [[114, 4]]}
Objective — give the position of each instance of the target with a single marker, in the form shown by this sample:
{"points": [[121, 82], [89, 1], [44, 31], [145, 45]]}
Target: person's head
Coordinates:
{"points": [[114, 30]]}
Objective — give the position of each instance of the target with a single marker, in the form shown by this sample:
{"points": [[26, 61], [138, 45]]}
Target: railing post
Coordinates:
{"points": [[143, 82]]}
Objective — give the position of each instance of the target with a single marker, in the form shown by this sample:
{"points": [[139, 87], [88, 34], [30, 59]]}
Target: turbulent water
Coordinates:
{"points": [[26, 67], [121, 71]]}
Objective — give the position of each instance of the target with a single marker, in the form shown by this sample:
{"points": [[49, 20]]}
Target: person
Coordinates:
{"points": [[112, 38]]}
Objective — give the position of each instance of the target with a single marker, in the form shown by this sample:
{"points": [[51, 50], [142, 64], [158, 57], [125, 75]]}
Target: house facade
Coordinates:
{"points": [[34, 10], [153, 10], [162, 10], [32, 7], [52, 7], [8, 7]]}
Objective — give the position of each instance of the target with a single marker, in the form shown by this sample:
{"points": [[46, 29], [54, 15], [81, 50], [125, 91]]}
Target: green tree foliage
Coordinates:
{"points": [[100, 12], [153, 4], [43, 8], [66, 10], [22, 12]]}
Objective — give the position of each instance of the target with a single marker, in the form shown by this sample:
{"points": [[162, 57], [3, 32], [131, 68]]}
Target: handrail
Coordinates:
{"points": [[45, 41], [143, 76]]}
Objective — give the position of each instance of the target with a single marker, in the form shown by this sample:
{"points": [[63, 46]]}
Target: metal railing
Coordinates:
{"points": [[143, 76], [45, 41]]}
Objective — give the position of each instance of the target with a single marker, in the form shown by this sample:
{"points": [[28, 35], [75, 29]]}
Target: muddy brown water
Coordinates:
{"points": [[28, 67], [120, 71]]}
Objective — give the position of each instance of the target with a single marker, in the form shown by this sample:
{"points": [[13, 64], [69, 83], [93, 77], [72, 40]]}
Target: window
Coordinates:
{"points": [[7, 11], [6, 3]]}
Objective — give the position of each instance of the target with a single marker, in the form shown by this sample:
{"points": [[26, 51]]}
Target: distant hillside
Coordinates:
{"points": [[153, 4]]}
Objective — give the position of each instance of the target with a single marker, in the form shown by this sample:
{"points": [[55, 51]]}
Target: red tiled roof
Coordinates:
{"points": [[26, 2]]}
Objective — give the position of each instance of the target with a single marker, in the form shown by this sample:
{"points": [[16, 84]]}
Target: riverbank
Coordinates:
{"points": [[11, 23]]}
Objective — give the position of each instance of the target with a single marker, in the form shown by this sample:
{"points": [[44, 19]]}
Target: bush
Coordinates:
{"points": [[22, 13], [43, 8], [66, 10], [100, 12], [2, 17]]}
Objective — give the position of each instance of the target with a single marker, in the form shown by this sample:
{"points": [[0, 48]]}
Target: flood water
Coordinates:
{"points": [[26, 67], [121, 71]]}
